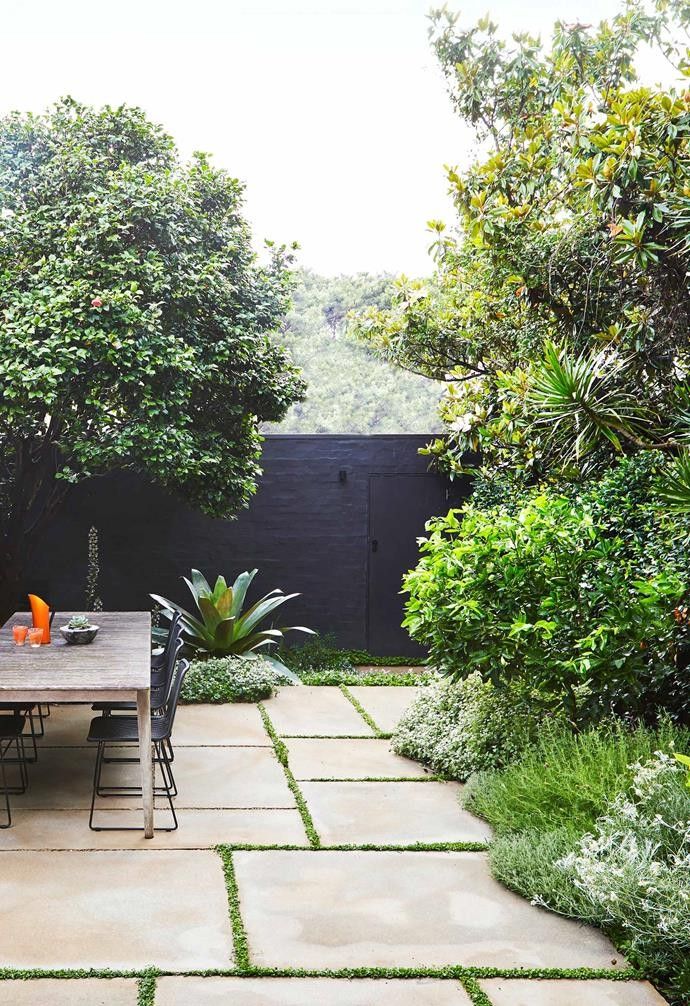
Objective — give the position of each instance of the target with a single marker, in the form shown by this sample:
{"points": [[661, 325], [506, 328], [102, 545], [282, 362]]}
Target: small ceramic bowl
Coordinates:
{"points": [[79, 637]]}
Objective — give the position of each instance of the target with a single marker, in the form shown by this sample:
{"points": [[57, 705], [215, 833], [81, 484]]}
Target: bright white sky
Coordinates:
{"points": [[332, 111]]}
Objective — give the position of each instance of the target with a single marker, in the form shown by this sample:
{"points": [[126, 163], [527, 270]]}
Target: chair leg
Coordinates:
{"points": [[167, 789], [168, 792], [5, 790], [96, 781]]}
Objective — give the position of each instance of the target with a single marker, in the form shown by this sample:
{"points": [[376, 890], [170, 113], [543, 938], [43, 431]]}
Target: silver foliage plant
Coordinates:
{"points": [[464, 727], [635, 869]]}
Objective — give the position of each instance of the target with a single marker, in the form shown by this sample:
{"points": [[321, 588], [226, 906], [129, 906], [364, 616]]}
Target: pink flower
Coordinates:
{"points": [[96, 302]]}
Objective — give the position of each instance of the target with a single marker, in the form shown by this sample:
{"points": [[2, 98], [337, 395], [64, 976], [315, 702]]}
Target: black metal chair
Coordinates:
{"points": [[162, 669], [123, 730], [11, 732], [28, 710], [161, 679]]}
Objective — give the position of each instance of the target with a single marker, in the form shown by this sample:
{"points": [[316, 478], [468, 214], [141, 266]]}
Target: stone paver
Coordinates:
{"points": [[385, 705], [223, 724], [235, 723], [199, 829], [390, 813], [230, 777], [400, 909], [206, 777], [67, 725], [114, 910], [520, 992], [315, 711], [349, 759], [69, 992], [308, 992]]}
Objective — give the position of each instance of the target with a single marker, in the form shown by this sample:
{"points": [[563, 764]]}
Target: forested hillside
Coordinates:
{"points": [[349, 390]]}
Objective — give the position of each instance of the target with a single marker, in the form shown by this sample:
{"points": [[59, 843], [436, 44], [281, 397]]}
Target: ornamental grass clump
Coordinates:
{"points": [[458, 729]]}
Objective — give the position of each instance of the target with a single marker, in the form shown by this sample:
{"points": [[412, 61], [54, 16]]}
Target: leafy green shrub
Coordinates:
{"points": [[320, 661], [317, 654], [458, 729], [570, 597], [231, 679]]}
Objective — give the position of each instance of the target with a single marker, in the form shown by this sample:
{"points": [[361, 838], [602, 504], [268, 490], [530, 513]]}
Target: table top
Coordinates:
{"points": [[118, 660]]}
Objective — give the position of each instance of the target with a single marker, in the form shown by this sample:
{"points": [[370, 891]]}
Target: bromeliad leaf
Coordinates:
{"points": [[222, 629]]}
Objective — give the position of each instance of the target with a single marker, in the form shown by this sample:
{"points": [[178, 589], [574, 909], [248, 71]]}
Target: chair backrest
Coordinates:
{"points": [[159, 660], [173, 698], [161, 677]]}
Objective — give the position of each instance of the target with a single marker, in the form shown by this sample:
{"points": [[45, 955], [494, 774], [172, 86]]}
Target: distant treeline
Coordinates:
{"points": [[349, 389]]}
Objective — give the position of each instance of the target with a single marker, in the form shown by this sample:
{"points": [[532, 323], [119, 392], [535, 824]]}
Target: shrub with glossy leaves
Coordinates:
{"points": [[568, 596], [136, 320]]}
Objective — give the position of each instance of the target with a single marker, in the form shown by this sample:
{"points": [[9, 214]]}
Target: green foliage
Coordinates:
{"points": [[349, 389], [320, 661], [224, 628], [564, 779], [92, 599], [585, 823], [573, 231], [136, 319], [569, 598], [232, 679], [458, 729]]}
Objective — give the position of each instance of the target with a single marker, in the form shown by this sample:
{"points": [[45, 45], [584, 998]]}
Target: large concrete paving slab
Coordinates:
{"points": [[400, 909], [223, 724], [67, 725], [196, 725], [391, 813], [116, 910], [349, 759], [315, 711], [522, 992], [385, 704], [208, 777], [308, 992], [199, 829], [230, 777], [69, 992]]}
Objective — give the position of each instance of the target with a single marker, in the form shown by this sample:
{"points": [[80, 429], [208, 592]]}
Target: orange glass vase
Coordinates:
{"points": [[40, 613]]}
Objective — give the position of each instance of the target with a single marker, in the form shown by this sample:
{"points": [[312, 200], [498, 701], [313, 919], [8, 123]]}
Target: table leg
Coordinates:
{"points": [[146, 757]]}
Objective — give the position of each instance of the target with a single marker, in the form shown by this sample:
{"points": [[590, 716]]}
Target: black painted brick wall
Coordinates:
{"points": [[305, 530]]}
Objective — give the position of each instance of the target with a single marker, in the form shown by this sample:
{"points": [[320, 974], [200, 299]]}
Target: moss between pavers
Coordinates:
{"points": [[282, 755], [239, 933], [456, 971], [362, 712], [477, 995]]}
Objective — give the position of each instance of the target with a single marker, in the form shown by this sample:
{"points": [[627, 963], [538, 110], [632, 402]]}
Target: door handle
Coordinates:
{"points": [[374, 544]]}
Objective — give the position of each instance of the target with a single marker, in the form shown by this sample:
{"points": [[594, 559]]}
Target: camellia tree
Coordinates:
{"points": [[135, 321], [559, 308]]}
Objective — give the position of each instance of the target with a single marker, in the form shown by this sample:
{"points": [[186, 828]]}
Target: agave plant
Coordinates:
{"points": [[222, 628]]}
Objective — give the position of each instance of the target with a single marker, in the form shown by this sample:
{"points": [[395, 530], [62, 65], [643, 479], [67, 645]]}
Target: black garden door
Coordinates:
{"points": [[399, 505]]}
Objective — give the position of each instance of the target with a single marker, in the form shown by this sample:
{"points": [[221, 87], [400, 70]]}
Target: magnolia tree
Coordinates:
{"points": [[559, 309], [136, 321]]}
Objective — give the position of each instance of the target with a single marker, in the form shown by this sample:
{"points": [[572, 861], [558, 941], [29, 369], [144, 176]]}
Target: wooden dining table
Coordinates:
{"points": [[115, 667]]}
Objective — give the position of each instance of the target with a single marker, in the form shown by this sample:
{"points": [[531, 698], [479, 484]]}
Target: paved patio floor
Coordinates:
{"points": [[312, 866]]}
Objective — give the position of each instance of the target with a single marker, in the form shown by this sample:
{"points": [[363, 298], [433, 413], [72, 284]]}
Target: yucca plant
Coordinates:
{"points": [[223, 628], [578, 399]]}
